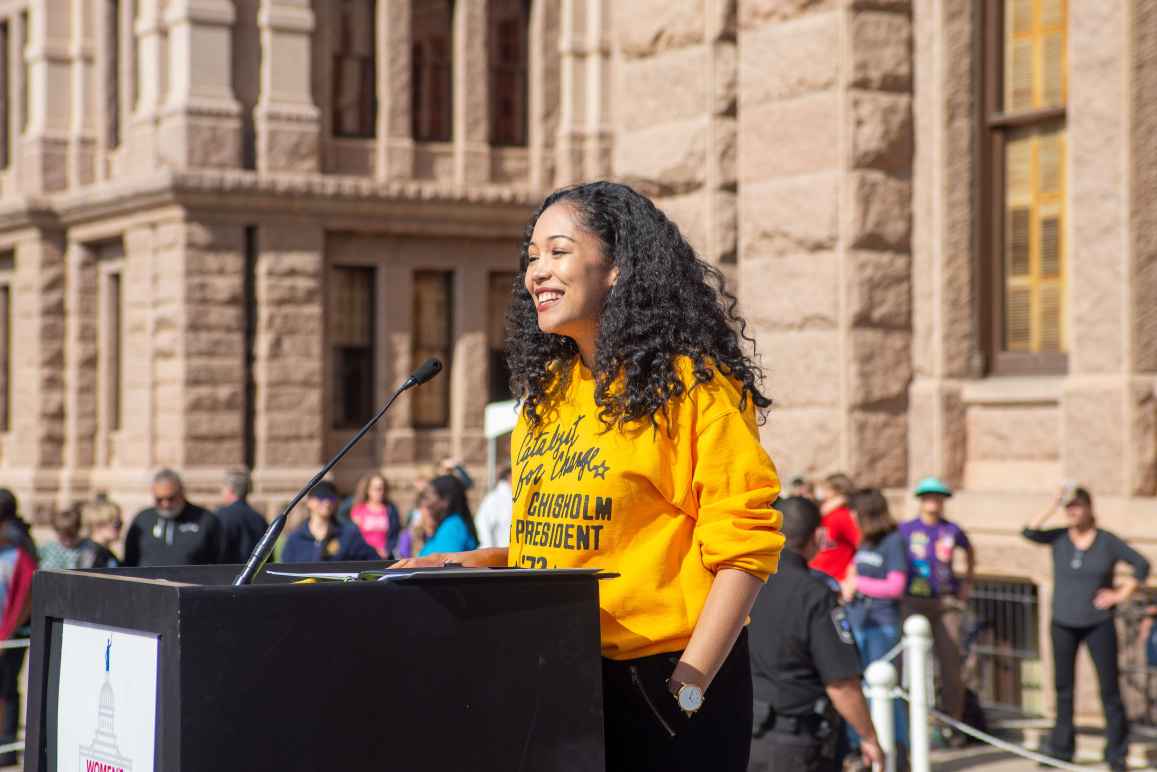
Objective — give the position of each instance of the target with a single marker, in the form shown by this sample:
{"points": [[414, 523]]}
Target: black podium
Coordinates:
{"points": [[447, 669]]}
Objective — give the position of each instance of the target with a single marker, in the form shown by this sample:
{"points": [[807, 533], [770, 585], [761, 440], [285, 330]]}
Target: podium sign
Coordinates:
{"points": [[174, 669]]}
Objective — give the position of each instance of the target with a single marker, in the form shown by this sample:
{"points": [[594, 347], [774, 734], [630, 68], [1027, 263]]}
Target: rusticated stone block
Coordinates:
{"points": [[879, 367], [815, 352], [802, 441], [217, 424], [699, 214], [644, 87], [882, 132], [878, 211], [936, 431], [878, 447], [211, 397], [781, 61], [789, 216], [647, 27], [1094, 436], [790, 137], [878, 289], [1143, 420], [802, 298], [288, 146], [881, 51], [755, 12], [1013, 433], [671, 159]]}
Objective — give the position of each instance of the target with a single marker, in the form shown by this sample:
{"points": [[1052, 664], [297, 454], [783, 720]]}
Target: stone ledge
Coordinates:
{"points": [[1013, 390]]}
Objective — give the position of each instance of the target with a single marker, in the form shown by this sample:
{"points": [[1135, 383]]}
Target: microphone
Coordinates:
{"points": [[428, 370], [261, 552]]}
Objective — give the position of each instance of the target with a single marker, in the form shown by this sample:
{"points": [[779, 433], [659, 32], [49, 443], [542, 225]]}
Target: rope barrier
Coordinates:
{"points": [[995, 742]]}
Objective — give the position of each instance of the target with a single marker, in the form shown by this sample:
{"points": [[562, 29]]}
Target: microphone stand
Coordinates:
{"points": [[260, 554]]}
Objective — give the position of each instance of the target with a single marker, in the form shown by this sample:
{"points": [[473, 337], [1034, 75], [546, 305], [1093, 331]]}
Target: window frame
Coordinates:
{"points": [[993, 125], [340, 420]]}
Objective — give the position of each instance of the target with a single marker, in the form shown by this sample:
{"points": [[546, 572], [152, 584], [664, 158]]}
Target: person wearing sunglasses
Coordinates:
{"points": [[1085, 595], [174, 531]]}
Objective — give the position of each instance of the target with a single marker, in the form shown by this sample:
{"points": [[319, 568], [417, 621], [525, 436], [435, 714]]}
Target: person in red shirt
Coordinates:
{"points": [[18, 559], [839, 534]]}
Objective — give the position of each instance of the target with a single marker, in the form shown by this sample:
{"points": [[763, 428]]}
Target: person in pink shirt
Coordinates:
{"points": [[375, 515]]}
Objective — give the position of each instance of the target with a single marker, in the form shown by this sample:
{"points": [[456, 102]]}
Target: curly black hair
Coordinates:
{"points": [[666, 303]]}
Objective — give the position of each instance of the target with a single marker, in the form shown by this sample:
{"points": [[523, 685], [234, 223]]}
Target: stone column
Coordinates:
{"points": [[81, 369], [398, 433], [44, 145], [214, 345], [200, 123], [471, 93], [945, 345], [36, 429], [141, 337], [395, 142], [288, 122], [824, 211], [289, 353], [1109, 415], [572, 114], [83, 111], [139, 140], [679, 145], [544, 93], [468, 388], [597, 142]]}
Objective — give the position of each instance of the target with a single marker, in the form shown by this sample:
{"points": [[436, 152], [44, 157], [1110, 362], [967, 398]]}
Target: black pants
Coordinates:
{"points": [[645, 729], [11, 660], [810, 747], [1102, 642]]}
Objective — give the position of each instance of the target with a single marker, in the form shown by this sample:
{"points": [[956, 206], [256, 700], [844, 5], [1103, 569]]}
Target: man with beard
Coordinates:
{"points": [[173, 531]]}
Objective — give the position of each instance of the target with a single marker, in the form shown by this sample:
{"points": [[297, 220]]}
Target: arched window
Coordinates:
{"points": [[509, 49], [432, 76]]}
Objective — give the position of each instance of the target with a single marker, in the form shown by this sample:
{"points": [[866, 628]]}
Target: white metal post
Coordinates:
{"points": [[881, 678], [918, 664]]}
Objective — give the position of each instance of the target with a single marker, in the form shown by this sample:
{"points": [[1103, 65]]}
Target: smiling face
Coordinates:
{"points": [[376, 490], [568, 277]]}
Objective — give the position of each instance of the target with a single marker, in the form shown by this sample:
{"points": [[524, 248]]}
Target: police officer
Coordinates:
{"points": [[804, 661]]}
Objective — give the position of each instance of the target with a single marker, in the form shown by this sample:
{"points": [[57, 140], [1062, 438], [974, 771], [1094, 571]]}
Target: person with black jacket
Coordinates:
{"points": [[242, 526], [1085, 595], [174, 531]]}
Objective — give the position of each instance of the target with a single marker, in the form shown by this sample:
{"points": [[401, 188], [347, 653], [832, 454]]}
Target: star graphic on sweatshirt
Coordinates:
{"points": [[600, 471]]}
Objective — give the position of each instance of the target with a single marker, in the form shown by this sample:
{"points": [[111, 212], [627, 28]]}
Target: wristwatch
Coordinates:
{"points": [[689, 697]]}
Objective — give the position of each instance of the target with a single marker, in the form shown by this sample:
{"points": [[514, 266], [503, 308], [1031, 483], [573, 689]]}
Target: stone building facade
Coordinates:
{"points": [[228, 227]]}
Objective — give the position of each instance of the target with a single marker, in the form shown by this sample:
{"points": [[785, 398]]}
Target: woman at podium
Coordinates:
{"points": [[637, 451]]}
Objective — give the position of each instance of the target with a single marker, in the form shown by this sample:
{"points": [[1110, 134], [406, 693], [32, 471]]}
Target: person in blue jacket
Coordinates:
{"points": [[446, 520], [323, 536]]}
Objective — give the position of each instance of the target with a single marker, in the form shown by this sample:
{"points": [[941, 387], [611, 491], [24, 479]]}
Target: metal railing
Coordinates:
{"points": [[1000, 638]]}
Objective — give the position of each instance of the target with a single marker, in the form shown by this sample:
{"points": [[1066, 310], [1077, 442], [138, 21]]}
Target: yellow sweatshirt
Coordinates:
{"points": [[663, 508]]}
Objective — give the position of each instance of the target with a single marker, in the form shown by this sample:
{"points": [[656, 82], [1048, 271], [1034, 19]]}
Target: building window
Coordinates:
{"points": [[498, 301], [112, 73], [1026, 91], [432, 76], [5, 356], [5, 96], [433, 336], [509, 44], [355, 98], [22, 55], [351, 336], [114, 335]]}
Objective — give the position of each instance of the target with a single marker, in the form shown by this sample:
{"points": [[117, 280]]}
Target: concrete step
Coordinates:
{"points": [[1031, 733]]}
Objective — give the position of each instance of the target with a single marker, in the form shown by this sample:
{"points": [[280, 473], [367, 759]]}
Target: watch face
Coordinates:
{"points": [[690, 697]]}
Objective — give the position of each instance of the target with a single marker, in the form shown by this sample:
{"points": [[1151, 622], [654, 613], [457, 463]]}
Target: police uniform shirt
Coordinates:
{"points": [[800, 639]]}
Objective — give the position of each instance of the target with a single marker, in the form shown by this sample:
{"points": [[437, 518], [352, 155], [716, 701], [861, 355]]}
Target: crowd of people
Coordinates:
{"points": [[883, 572]]}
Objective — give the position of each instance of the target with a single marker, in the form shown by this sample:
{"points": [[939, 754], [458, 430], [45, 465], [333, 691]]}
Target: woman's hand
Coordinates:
{"points": [[494, 557], [1107, 598]]}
